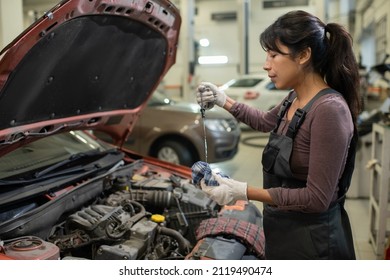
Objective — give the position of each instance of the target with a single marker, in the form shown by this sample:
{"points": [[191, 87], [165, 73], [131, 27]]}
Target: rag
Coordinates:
{"points": [[202, 170]]}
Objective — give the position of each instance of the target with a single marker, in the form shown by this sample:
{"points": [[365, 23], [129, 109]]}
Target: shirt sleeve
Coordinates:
{"points": [[330, 132], [263, 121]]}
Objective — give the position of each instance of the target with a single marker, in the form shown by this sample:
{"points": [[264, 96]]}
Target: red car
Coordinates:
{"points": [[64, 194]]}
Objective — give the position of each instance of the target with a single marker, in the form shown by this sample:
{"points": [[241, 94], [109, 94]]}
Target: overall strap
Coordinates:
{"points": [[346, 177], [300, 114], [283, 109]]}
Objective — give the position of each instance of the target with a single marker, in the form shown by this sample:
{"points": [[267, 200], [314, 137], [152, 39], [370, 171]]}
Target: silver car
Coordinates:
{"points": [[256, 90], [173, 131]]}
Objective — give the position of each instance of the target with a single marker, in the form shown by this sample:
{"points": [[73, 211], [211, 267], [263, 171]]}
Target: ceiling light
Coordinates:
{"points": [[204, 42], [218, 59]]}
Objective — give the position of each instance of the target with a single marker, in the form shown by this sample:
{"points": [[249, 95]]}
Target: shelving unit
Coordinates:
{"points": [[360, 185], [379, 211]]}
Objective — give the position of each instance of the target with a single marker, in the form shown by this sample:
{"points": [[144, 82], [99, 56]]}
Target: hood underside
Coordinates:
{"points": [[84, 65]]}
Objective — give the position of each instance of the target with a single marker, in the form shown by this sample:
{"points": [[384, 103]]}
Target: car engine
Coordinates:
{"points": [[136, 212]]}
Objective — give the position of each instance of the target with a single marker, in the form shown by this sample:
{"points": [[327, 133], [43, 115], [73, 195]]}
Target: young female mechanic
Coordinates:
{"points": [[309, 159]]}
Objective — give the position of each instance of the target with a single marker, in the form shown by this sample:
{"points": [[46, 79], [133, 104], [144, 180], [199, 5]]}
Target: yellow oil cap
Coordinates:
{"points": [[157, 218]]}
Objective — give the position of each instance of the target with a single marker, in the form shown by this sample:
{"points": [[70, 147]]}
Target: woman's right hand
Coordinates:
{"points": [[208, 95], [227, 192]]}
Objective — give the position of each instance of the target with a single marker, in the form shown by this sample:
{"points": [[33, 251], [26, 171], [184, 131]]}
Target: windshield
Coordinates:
{"points": [[47, 151]]}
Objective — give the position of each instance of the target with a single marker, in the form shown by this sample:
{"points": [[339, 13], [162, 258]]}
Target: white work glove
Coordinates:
{"points": [[228, 191], [208, 94]]}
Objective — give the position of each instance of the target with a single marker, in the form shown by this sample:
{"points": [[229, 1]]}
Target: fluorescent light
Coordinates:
{"points": [[218, 59], [204, 42]]}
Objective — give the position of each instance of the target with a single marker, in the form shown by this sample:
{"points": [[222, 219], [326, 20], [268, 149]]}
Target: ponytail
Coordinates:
{"points": [[341, 70]]}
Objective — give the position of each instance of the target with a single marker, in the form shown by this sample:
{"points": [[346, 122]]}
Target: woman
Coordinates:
{"points": [[309, 159]]}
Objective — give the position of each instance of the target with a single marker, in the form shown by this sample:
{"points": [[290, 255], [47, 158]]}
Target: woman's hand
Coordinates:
{"points": [[208, 95], [228, 191]]}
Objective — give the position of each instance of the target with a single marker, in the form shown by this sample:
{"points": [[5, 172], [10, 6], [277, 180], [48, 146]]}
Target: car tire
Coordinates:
{"points": [[174, 152]]}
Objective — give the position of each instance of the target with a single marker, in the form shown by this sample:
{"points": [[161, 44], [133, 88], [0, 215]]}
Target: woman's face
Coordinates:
{"points": [[282, 68]]}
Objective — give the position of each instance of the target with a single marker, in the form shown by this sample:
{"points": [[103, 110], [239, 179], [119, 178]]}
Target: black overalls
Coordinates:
{"points": [[298, 235]]}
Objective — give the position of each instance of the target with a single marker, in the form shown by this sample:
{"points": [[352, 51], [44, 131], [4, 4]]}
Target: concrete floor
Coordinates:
{"points": [[246, 167]]}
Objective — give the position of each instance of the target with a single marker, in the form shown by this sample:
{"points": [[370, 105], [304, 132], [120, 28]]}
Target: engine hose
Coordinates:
{"points": [[128, 206], [163, 198], [118, 228], [184, 244], [156, 198]]}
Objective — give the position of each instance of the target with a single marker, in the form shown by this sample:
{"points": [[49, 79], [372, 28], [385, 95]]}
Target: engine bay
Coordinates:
{"points": [[138, 211]]}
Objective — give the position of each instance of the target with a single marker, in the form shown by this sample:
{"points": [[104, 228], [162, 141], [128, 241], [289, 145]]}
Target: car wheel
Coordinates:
{"points": [[174, 152]]}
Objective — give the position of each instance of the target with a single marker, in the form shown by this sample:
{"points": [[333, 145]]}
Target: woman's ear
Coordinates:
{"points": [[305, 56]]}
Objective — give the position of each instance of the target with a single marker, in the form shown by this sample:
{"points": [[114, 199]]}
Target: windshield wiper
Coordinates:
{"points": [[18, 190], [94, 154]]}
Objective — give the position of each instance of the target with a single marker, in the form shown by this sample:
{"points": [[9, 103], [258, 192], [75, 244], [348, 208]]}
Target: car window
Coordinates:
{"points": [[249, 82]]}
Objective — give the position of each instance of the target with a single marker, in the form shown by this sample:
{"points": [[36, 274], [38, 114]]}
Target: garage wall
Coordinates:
{"points": [[10, 11], [225, 36]]}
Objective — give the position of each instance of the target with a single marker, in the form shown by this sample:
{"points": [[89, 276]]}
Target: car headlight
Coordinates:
{"points": [[218, 125]]}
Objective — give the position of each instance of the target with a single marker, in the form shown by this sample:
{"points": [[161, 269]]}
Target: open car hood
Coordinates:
{"points": [[85, 65]]}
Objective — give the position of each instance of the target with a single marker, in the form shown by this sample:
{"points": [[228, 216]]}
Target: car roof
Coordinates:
{"points": [[247, 80]]}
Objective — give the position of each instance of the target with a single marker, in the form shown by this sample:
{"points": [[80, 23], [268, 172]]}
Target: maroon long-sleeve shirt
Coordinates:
{"points": [[319, 151]]}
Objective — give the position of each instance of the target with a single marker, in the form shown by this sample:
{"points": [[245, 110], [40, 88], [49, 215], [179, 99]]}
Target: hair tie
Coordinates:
{"points": [[326, 30]]}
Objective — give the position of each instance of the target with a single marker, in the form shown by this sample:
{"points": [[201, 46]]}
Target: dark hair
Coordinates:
{"points": [[331, 51]]}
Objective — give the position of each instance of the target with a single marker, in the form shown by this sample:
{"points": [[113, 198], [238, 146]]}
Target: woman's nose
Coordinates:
{"points": [[266, 66]]}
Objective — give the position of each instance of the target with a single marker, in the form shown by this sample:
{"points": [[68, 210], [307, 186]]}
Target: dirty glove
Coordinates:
{"points": [[209, 94], [228, 191]]}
